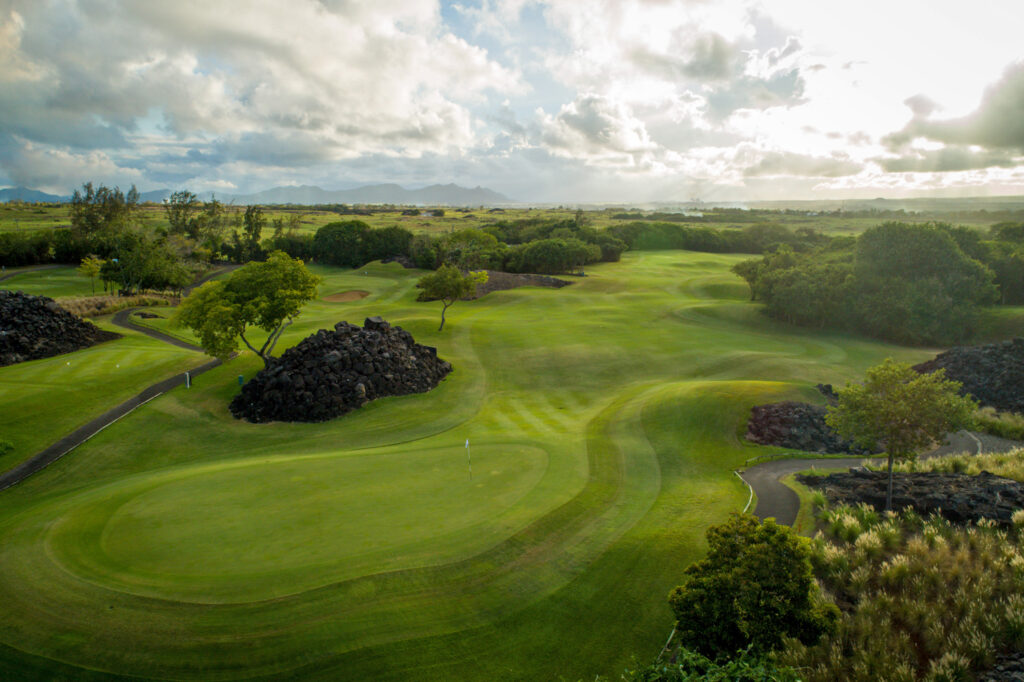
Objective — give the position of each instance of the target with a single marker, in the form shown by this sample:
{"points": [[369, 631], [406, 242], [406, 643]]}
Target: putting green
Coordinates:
{"points": [[603, 420]]}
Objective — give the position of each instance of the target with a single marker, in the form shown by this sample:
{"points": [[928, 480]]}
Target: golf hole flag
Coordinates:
{"points": [[469, 460]]}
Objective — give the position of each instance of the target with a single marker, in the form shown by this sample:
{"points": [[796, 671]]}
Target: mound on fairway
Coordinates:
{"points": [[34, 327], [331, 373]]}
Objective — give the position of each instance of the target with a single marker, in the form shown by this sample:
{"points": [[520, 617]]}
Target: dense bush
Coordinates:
{"points": [[907, 283], [690, 666], [353, 243], [753, 588]]}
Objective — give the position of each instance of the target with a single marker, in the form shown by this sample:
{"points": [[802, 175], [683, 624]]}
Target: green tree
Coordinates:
{"points": [[90, 267], [448, 285], [182, 209], [252, 224], [268, 295], [905, 409], [341, 243], [754, 587], [99, 209]]}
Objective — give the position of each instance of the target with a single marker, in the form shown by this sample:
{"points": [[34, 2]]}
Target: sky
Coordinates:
{"points": [[556, 101]]}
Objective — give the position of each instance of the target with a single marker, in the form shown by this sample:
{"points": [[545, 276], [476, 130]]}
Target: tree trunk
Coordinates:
{"points": [[888, 494], [444, 308]]}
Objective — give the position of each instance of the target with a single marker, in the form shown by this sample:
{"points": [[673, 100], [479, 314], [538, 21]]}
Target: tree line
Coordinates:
{"points": [[910, 283]]}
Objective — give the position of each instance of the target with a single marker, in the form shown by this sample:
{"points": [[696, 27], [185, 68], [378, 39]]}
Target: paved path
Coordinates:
{"points": [[780, 502], [41, 460], [122, 318], [22, 271]]}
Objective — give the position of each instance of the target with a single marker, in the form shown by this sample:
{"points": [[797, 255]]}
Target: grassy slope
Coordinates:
{"points": [[602, 419], [43, 400], [54, 282]]}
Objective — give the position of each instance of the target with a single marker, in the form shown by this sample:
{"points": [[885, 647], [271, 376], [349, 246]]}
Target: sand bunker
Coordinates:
{"points": [[347, 296]]}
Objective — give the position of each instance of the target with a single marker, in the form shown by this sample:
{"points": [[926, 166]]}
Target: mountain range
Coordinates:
{"points": [[434, 195]]}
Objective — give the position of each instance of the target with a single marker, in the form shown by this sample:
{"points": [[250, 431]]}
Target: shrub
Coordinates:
{"points": [[754, 587], [690, 666]]}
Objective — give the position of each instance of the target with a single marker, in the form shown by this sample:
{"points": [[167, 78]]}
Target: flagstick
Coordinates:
{"points": [[469, 459]]}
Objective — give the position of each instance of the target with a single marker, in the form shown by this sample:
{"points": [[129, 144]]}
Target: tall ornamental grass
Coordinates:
{"points": [[921, 599]]}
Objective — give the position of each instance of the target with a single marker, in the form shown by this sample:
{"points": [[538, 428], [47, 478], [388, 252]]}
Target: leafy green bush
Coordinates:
{"points": [[753, 588], [5, 447], [690, 666]]}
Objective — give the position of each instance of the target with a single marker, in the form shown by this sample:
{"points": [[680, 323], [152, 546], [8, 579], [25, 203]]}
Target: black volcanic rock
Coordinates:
{"points": [[334, 372], [993, 373], [800, 426], [34, 327], [957, 497]]}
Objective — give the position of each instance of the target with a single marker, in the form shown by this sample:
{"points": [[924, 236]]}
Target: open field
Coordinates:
{"points": [[604, 421], [17, 217]]}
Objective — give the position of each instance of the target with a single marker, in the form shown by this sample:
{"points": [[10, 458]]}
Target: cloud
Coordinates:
{"points": [[950, 158], [780, 163], [997, 123], [598, 129], [781, 89], [285, 84]]}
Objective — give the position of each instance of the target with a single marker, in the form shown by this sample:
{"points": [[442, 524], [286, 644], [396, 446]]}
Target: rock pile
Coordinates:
{"points": [[33, 327], [1009, 667], [500, 281], [957, 497], [800, 426], [334, 372], [993, 374]]}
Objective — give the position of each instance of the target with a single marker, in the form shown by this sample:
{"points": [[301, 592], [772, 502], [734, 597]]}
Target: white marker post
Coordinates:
{"points": [[188, 380], [469, 460]]}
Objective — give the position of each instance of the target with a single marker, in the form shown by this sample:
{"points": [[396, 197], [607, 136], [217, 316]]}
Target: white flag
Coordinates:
{"points": [[467, 442]]}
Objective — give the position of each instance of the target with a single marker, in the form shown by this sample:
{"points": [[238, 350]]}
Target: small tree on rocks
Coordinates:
{"points": [[901, 407]]}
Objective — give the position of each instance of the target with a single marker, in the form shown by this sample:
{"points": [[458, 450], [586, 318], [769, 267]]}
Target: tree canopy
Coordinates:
{"points": [[754, 587], [901, 407], [919, 283], [448, 285], [266, 295]]}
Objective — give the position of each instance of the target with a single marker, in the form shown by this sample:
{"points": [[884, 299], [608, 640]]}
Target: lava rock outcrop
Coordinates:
{"points": [[334, 372], [800, 426], [34, 327], [957, 497], [993, 373]]}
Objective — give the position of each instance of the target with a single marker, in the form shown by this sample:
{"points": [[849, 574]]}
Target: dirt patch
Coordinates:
{"points": [[347, 296], [499, 281]]}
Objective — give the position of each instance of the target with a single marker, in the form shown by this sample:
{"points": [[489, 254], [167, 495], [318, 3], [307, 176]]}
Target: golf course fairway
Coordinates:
{"points": [[604, 421]]}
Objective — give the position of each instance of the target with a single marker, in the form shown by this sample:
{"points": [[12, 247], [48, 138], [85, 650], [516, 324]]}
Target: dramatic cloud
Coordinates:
{"points": [[557, 100], [998, 123], [790, 164]]}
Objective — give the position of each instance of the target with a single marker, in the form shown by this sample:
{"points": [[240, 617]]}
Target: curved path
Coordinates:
{"points": [[776, 500], [22, 271], [46, 457]]}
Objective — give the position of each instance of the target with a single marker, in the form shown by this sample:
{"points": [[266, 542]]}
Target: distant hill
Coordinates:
{"points": [[447, 195], [33, 195], [434, 195]]}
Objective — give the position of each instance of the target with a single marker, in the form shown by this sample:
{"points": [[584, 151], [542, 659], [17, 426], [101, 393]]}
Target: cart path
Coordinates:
{"points": [[780, 502], [48, 456], [40, 461], [22, 271]]}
